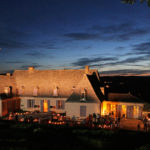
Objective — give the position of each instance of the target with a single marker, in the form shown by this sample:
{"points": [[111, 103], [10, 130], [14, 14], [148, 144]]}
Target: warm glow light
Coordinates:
{"points": [[104, 108], [45, 105]]}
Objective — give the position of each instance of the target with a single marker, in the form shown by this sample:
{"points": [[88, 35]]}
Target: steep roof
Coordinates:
{"points": [[92, 91], [47, 80], [123, 97]]}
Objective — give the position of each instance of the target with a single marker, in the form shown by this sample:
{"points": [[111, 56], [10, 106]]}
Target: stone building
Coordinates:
{"points": [[72, 92], [75, 93]]}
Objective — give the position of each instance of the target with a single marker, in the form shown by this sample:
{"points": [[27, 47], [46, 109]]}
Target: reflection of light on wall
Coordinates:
{"points": [[104, 108], [6, 90], [45, 104]]}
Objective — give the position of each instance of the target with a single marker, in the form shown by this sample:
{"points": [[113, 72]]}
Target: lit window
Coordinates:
{"points": [[60, 104]]}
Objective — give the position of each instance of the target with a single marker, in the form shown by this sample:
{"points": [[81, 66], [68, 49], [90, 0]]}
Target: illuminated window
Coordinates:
{"points": [[124, 110], [30, 103], [83, 95], [136, 111], [60, 104]]}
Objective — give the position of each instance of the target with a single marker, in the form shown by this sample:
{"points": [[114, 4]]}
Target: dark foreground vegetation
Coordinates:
{"points": [[21, 136]]}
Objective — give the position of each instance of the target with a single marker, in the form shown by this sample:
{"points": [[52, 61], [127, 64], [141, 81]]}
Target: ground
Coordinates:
{"points": [[21, 136]]}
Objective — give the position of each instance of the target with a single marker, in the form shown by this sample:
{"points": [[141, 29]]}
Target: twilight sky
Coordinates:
{"points": [[56, 34]]}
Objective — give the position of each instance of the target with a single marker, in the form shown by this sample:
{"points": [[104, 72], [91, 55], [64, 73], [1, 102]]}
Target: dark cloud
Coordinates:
{"points": [[120, 48], [35, 65], [126, 72], [82, 36], [11, 44], [38, 55], [120, 32], [125, 27], [14, 62], [9, 33], [88, 61], [109, 61], [142, 48], [13, 39], [129, 61]]}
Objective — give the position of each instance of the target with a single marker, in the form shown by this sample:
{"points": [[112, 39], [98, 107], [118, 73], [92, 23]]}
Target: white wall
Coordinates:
{"points": [[73, 109], [38, 102]]}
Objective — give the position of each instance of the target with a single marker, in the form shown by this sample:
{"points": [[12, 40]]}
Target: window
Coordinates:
{"points": [[30, 103], [83, 95], [60, 104], [21, 90], [55, 92], [82, 111], [35, 91]]}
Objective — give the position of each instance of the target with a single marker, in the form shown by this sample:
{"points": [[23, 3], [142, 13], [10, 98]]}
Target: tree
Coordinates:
{"points": [[133, 1]]}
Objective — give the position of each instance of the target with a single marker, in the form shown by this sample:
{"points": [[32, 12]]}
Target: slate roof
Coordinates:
{"points": [[123, 97], [47, 80], [91, 84]]}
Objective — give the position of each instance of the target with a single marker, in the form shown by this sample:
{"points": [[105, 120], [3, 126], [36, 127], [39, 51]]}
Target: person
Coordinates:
{"points": [[145, 124], [138, 127]]}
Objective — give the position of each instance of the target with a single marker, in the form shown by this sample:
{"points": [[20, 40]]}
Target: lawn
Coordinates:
{"points": [[21, 136]]}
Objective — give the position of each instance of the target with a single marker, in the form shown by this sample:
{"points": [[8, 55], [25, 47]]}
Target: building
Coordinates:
{"points": [[123, 105], [75, 93], [71, 92]]}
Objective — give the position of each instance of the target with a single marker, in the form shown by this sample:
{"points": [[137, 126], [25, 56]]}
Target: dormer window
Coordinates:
{"points": [[35, 91], [83, 95], [55, 92], [73, 88], [21, 90]]}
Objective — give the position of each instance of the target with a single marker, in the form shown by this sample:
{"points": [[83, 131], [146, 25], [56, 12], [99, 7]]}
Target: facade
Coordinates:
{"points": [[123, 105], [75, 93], [70, 92]]}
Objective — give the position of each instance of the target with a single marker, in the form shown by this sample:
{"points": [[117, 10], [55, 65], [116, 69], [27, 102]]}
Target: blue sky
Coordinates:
{"points": [[56, 34]]}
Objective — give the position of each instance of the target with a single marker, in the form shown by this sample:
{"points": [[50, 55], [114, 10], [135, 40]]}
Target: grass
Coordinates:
{"points": [[33, 136]]}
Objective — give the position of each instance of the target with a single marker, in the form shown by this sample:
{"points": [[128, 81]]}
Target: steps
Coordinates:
{"points": [[131, 124]]}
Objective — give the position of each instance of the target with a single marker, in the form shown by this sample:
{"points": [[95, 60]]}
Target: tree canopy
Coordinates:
{"points": [[133, 1]]}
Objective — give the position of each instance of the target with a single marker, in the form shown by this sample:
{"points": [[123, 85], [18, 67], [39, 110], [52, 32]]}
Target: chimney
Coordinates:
{"points": [[30, 68], [86, 69], [8, 74]]}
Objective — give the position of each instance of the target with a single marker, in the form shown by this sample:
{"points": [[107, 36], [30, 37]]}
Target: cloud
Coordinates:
{"points": [[142, 48], [35, 65], [82, 36], [89, 61], [126, 72], [129, 61], [9, 33], [38, 54], [121, 32], [14, 62], [12, 44]]}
